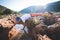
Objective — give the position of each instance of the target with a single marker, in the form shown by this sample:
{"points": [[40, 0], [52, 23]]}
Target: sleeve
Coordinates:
{"points": [[25, 17]]}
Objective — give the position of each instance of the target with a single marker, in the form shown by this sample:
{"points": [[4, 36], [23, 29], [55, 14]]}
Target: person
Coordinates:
{"points": [[21, 21]]}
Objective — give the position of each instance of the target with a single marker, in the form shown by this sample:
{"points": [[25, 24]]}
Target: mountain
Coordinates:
{"points": [[50, 7], [33, 9], [6, 11], [53, 7]]}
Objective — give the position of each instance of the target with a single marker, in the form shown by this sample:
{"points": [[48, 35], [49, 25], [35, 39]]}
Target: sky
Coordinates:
{"points": [[18, 5]]}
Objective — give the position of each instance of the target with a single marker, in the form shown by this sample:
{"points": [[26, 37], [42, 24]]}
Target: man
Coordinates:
{"points": [[21, 20]]}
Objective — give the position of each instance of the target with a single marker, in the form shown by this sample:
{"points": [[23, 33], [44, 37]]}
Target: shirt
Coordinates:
{"points": [[25, 17]]}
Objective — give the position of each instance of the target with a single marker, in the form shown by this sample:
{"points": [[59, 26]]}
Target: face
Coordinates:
{"points": [[19, 22]]}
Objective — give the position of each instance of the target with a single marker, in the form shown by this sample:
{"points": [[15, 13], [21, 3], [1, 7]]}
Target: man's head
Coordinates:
{"points": [[18, 20]]}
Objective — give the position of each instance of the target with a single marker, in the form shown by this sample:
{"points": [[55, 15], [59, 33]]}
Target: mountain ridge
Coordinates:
{"points": [[50, 7]]}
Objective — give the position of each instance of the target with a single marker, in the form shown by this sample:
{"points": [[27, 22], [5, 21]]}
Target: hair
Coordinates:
{"points": [[17, 18]]}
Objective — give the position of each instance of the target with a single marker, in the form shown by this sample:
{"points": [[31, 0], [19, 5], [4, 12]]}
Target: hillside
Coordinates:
{"points": [[53, 7], [6, 11]]}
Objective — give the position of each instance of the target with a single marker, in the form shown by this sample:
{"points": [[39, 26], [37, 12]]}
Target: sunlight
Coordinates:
{"points": [[18, 5]]}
